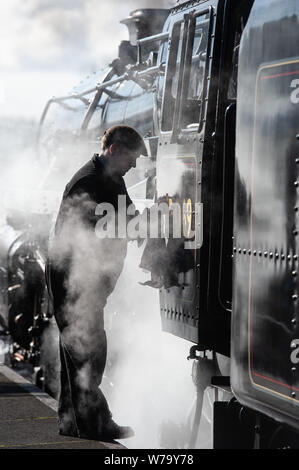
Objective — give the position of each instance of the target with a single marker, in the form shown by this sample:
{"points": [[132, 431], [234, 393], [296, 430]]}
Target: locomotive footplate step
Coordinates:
{"points": [[28, 418]]}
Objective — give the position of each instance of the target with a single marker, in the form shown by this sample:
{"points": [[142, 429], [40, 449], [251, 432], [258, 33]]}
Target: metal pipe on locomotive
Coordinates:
{"points": [[215, 94]]}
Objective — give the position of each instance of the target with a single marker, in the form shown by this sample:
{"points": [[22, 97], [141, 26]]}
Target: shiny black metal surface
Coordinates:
{"points": [[265, 304]]}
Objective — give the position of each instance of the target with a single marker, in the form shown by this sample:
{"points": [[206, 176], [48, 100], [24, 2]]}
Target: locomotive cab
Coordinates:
{"points": [[196, 107]]}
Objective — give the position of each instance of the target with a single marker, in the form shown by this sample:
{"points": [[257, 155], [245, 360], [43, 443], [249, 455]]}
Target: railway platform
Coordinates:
{"points": [[28, 418]]}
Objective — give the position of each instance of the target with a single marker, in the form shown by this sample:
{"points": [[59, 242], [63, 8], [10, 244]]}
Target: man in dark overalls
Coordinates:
{"points": [[82, 272]]}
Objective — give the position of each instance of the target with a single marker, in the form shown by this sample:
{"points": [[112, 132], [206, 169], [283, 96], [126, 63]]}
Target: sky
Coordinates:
{"points": [[48, 46]]}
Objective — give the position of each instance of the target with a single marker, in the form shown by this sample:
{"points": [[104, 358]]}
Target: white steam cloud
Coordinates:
{"points": [[147, 379], [51, 33], [45, 46]]}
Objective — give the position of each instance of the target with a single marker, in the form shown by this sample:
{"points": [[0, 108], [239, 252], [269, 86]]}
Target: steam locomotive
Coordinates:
{"points": [[213, 86]]}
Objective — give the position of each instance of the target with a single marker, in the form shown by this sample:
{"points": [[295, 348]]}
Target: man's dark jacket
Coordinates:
{"points": [[91, 185], [94, 180]]}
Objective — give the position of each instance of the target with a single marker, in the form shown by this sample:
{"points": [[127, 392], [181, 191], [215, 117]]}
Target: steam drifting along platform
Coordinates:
{"points": [[28, 418]]}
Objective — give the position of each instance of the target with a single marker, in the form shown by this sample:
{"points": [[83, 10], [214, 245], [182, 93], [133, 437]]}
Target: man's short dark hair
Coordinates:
{"points": [[126, 136]]}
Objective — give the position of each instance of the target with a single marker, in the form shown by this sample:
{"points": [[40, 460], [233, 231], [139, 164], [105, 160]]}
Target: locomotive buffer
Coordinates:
{"points": [[28, 418]]}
